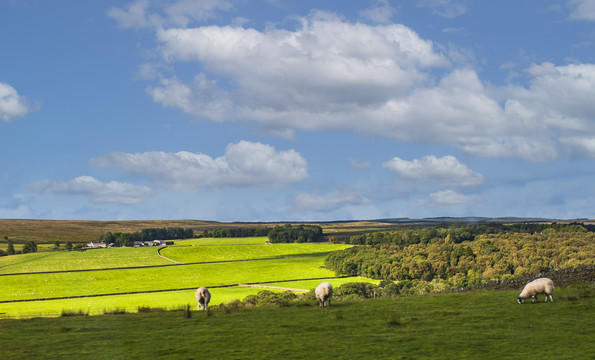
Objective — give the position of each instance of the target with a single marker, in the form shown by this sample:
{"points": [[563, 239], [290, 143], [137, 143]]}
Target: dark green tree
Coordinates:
{"points": [[29, 247], [10, 250], [57, 245], [68, 245]]}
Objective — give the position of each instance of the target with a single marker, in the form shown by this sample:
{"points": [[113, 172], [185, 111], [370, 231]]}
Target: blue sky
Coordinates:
{"points": [[273, 110]]}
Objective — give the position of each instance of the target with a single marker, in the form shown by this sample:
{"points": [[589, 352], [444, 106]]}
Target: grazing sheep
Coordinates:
{"points": [[537, 286], [324, 291], [203, 296]]}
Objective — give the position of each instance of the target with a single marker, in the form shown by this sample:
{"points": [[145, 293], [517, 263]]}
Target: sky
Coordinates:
{"points": [[296, 110]]}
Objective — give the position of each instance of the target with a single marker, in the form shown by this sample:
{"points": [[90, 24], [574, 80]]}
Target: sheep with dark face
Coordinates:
{"points": [[203, 296], [324, 291], [535, 287]]}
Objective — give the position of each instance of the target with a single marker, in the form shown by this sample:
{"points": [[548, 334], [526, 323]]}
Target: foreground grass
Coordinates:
{"points": [[486, 325]]}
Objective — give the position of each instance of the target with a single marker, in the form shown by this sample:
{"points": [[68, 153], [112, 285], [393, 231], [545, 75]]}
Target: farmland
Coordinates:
{"points": [[96, 280]]}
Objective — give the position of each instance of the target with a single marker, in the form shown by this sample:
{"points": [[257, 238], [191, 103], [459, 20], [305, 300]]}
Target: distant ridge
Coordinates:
{"points": [[463, 220]]}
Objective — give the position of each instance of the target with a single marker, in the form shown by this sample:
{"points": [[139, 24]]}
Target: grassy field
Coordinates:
{"points": [[479, 325], [49, 278], [236, 252]]}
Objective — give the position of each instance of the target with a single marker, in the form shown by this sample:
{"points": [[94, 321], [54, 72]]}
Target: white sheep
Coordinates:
{"points": [[535, 287], [324, 291], [203, 296]]}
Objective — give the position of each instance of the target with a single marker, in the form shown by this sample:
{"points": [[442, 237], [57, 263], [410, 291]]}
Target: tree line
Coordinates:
{"points": [[439, 255], [295, 234], [128, 239], [237, 232]]}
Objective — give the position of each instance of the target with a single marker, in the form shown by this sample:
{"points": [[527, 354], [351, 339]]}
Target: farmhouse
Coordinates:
{"points": [[95, 245], [162, 242]]}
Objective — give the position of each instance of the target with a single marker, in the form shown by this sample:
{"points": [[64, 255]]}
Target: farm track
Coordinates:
{"points": [[254, 284], [138, 267]]}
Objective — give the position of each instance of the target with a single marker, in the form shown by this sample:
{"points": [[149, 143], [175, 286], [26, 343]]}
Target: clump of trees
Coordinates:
{"points": [[438, 255], [237, 232], [295, 234], [29, 247], [128, 239]]}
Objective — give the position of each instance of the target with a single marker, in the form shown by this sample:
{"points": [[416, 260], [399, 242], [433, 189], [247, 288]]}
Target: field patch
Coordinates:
{"points": [[234, 252], [81, 260], [96, 280]]}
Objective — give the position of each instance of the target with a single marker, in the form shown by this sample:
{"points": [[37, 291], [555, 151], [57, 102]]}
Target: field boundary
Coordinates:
{"points": [[164, 290]]}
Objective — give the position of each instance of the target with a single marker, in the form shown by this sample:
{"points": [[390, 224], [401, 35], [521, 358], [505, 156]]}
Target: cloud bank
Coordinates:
{"points": [[244, 164], [95, 190], [447, 171], [378, 80]]}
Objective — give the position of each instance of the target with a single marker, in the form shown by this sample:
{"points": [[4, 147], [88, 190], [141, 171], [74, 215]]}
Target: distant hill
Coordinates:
{"points": [[464, 220]]}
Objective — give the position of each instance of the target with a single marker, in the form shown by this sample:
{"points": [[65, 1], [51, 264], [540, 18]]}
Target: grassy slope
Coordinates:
{"points": [[77, 260], [234, 252], [486, 325]]}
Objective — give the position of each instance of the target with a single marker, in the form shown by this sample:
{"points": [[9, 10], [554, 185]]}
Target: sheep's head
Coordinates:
{"points": [[520, 300]]}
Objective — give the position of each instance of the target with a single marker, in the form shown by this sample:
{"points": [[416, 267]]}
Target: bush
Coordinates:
{"points": [[359, 289]]}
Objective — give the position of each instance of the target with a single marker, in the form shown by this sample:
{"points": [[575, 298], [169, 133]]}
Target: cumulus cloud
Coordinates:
{"points": [[337, 200], [446, 170], [244, 164], [160, 13], [378, 80], [449, 198], [97, 191], [582, 9], [11, 103]]}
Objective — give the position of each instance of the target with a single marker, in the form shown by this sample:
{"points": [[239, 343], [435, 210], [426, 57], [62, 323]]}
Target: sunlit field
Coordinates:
{"points": [[148, 280]]}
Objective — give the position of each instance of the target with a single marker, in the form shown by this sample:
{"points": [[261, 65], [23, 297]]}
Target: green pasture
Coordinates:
{"points": [[224, 241], [168, 300], [477, 325], [33, 286], [80, 260], [40, 247], [237, 252]]}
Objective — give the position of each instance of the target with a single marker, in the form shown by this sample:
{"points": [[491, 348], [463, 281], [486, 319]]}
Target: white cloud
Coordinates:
{"points": [[446, 170], [449, 198], [287, 79], [245, 164], [329, 74], [97, 191], [11, 103], [145, 13], [339, 199], [582, 9]]}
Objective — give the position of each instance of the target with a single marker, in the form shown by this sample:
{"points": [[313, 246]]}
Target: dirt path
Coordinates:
{"points": [[166, 258]]}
